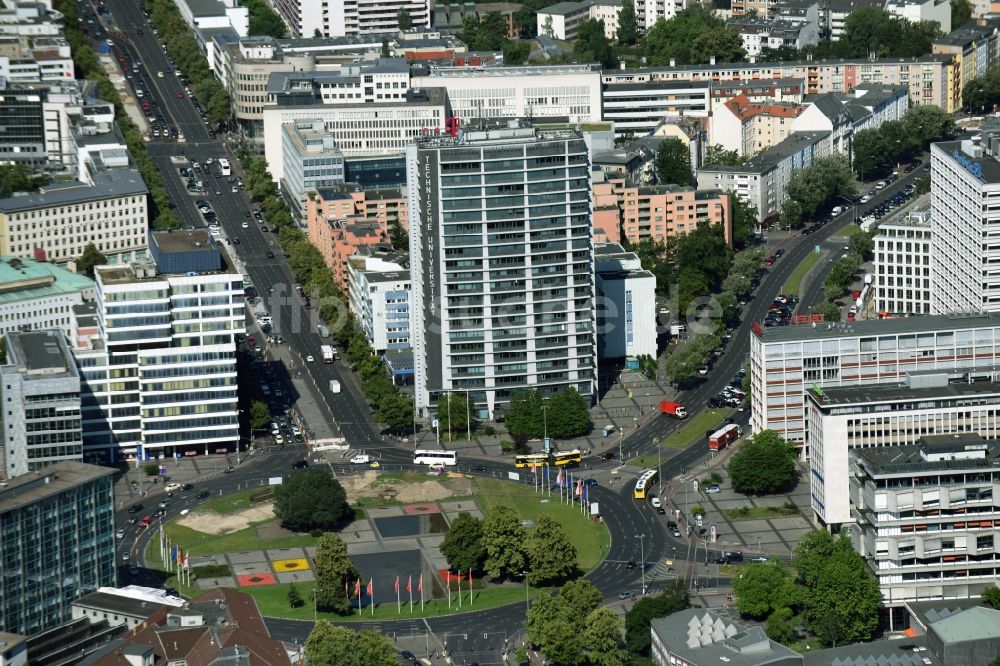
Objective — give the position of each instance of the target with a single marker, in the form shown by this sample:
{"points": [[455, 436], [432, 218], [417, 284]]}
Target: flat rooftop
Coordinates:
{"points": [[988, 166], [41, 353], [117, 604], [187, 240], [127, 183], [52, 480], [25, 279], [877, 327], [911, 458], [879, 393]]}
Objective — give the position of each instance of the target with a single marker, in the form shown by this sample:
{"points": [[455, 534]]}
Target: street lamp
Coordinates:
{"points": [[642, 562], [545, 423], [525, 574]]}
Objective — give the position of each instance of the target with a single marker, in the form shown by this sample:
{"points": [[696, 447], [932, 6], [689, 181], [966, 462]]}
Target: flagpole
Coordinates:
{"points": [[459, 588], [447, 577], [470, 586], [409, 589], [420, 588], [399, 606]]}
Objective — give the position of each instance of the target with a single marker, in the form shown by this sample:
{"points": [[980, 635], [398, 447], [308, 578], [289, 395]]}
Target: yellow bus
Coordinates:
{"points": [[646, 483], [531, 460], [570, 458]]}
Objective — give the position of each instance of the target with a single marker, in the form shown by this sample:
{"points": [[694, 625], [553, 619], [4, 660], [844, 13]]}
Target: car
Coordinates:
{"points": [[185, 512], [310, 359], [374, 464], [187, 486], [361, 459], [279, 439], [164, 504], [630, 565], [109, 42], [263, 228], [656, 502], [481, 468], [135, 508], [244, 224], [735, 556], [120, 533], [300, 464], [759, 559], [590, 482], [660, 510], [627, 594], [722, 559], [703, 370], [203, 494], [133, 570], [269, 254], [229, 470], [173, 487], [675, 533], [236, 241], [671, 524], [713, 489], [608, 455]]}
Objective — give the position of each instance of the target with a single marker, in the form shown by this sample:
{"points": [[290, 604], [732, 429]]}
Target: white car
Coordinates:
{"points": [[656, 502], [139, 94], [279, 439], [361, 459], [173, 487], [160, 74], [703, 370], [310, 359], [215, 230]]}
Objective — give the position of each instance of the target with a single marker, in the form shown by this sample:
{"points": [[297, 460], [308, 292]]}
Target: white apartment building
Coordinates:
{"points": [[639, 108], [749, 128], [361, 129], [163, 383], [209, 14], [40, 389], [310, 159], [561, 20], [383, 80], [917, 11], [785, 361], [925, 517], [570, 92], [648, 11], [903, 266], [626, 304], [379, 294], [37, 295], [35, 129], [57, 223], [306, 18], [761, 180], [47, 59], [502, 265], [965, 212]]}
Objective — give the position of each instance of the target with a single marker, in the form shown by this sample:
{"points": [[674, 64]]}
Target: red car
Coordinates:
{"points": [[180, 95]]}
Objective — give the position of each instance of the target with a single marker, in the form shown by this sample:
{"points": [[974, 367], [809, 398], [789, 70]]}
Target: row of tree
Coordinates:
{"points": [[505, 548], [982, 94], [183, 49], [810, 189], [572, 627], [832, 594], [896, 141], [562, 415], [88, 67], [331, 645], [264, 20]]}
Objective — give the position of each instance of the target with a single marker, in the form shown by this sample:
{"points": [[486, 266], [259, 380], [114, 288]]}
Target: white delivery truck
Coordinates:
{"points": [[327, 352], [334, 386]]}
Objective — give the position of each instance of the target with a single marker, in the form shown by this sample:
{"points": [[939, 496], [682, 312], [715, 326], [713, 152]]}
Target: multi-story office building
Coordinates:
{"points": [[385, 80], [310, 160], [379, 293], [903, 266], [163, 382], [338, 18], [965, 209], [502, 264], [352, 125], [918, 11], [975, 48], [57, 542], [639, 108], [37, 295], [561, 20], [761, 180], [569, 92], [41, 59], [647, 12], [925, 516], [785, 361], [60, 221], [40, 388], [626, 308], [34, 123]]}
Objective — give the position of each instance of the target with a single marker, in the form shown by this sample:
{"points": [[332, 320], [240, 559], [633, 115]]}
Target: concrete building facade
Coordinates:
{"points": [[903, 266], [38, 295], [626, 304]]}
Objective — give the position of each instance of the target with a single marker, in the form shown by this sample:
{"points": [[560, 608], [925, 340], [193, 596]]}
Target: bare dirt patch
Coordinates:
{"points": [[210, 522], [409, 489]]}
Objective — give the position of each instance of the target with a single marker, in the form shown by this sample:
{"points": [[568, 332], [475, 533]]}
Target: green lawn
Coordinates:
{"points": [[761, 512], [273, 602], [590, 538], [695, 429], [793, 285], [233, 502], [200, 543]]}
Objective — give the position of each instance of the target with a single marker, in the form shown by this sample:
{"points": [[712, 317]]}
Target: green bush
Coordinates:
{"points": [[151, 469], [212, 571]]}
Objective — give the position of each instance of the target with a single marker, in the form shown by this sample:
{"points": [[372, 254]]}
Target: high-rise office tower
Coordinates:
{"points": [[502, 264]]}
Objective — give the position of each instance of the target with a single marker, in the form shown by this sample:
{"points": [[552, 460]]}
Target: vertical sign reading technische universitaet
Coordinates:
{"points": [[431, 255]]}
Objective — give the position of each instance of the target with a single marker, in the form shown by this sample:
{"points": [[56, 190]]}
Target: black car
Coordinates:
{"points": [[481, 468], [608, 456], [630, 565], [186, 486], [269, 254], [203, 494], [660, 510], [246, 213], [135, 508], [301, 464]]}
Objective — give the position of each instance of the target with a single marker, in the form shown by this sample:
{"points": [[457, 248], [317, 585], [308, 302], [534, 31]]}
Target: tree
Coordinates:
{"points": [[716, 154], [763, 465], [557, 625], [515, 52], [926, 124], [840, 598], [396, 411], [637, 619], [463, 544], [524, 415], [486, 35], [961, 13], [829, 311], [861, 242], [260, 415], [91, 257], [704, 251], [551, 555], [991, 597], [872, 30], [602, 637], [781, 626], [658, 258], [151, 468], [19, 178], [264, 20], [815, 185], [333, 569], [311, 499], [628, 28], [504, 543], [568, 415], [385, 54], [403, 19], [592, 44], [791, 214], [547, 27], [330, 645], [453, 414], [693, 37], [763, 588], [673, 163], [294, 597]]}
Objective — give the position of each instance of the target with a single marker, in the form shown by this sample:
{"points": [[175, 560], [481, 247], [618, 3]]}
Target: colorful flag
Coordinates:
{"points": [[470, 579], [347, 593], [187, 561], [357, 588], [371, 589], [397, 585], [409, 581], [420, 583]]}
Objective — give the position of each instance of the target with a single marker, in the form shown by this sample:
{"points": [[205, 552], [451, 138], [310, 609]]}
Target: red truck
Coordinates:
{"points": [[674, 409], [724, 436]]}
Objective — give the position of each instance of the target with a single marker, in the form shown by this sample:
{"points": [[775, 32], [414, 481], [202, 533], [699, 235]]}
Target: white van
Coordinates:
{"points": [[361, 459], [334, 386], [837, 210]]}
